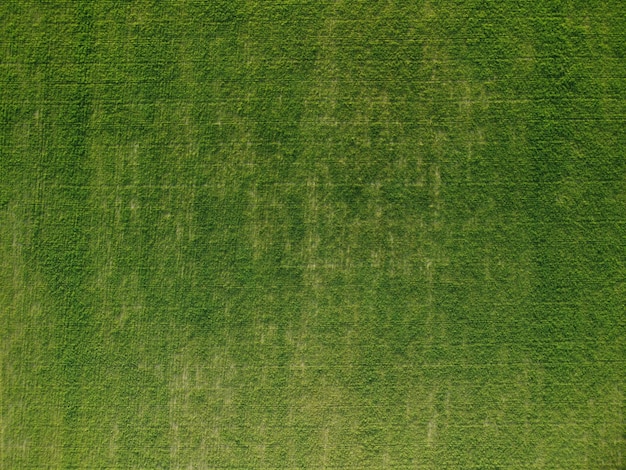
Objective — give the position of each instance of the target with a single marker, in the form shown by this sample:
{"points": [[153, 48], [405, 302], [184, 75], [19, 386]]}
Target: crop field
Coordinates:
{"points": [[244, 234]]}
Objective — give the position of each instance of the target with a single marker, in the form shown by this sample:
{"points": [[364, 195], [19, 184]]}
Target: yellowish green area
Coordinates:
{"points": [[315, 234]]}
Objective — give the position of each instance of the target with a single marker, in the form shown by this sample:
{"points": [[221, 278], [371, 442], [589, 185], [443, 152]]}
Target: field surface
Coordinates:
{"points": [[313, 234]]}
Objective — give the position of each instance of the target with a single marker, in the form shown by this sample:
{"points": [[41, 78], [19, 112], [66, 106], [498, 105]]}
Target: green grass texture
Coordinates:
{"points": [[329, 234]]}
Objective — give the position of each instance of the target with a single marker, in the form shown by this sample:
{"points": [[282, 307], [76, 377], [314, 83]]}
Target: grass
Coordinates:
{"points": [[312, 235]]}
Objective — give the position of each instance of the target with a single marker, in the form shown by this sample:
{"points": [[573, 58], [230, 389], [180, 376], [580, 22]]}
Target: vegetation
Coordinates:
{"points": [[244, 234]]}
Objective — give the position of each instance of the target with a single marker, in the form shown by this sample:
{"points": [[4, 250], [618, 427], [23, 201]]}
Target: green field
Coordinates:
{"points": [[313, 235]]}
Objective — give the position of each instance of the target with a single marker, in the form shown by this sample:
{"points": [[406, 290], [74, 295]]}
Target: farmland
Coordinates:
{"points": [[344, 234]]}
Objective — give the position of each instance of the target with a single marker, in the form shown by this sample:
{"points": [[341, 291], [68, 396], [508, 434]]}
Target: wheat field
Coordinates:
{"points": [[312, 234]]}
